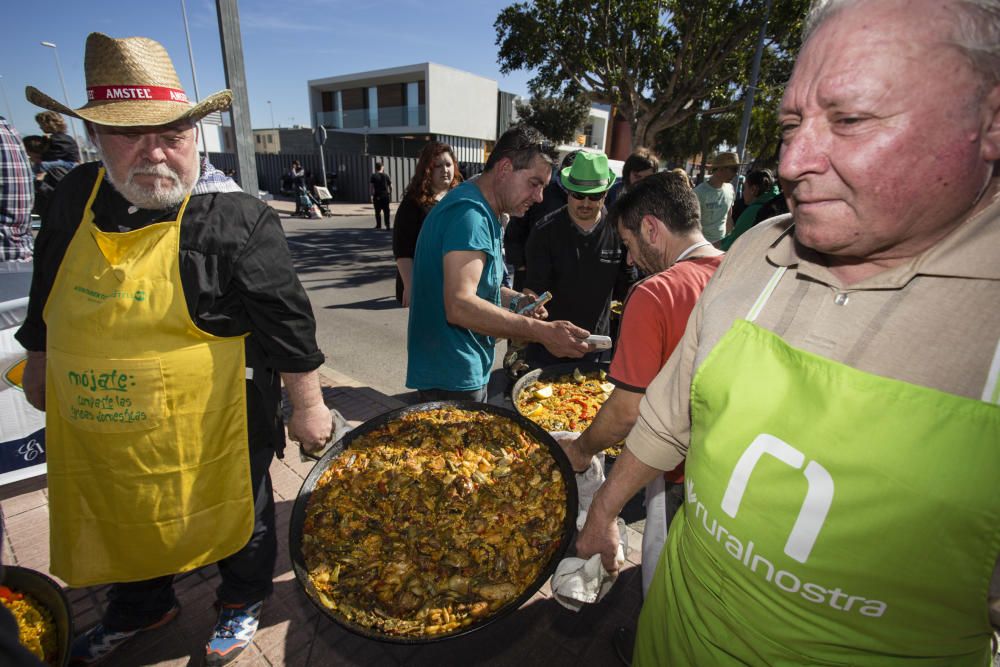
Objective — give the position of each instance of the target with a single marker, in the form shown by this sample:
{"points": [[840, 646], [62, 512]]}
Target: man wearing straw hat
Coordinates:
{"points": [[717, 195], [164, 309]]}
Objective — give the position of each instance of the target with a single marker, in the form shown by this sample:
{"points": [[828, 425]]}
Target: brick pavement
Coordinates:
{"points": [[293, 632]]}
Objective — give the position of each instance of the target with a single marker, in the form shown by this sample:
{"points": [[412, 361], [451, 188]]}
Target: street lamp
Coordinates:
{"points": [[271, 109], [62, 80], [10, 116], [194, 77]]}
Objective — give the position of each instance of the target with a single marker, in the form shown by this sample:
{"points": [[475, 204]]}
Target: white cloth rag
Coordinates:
{"points": [[577, 582], [587, 482]]}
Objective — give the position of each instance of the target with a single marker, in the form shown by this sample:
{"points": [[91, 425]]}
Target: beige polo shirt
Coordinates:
{"points": [[934, 321]]}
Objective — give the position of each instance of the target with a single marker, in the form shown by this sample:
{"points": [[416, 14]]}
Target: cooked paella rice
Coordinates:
{"points": [[35, 628], [567, 403], [433, 522]]}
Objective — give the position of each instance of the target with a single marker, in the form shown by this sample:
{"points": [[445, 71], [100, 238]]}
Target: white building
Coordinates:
{"points": [[425, 99], [593, 134], [212, 135]]}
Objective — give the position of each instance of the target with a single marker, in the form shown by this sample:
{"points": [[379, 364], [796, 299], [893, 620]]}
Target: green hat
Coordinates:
{"points": [[589, 174]]}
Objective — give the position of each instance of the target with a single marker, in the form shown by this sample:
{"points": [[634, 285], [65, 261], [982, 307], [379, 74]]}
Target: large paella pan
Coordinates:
{"points": [[564, 397], [432, 521]]}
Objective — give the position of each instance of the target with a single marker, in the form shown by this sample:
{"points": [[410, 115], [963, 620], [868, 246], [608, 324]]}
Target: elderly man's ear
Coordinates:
{"points": [[991, 122]]}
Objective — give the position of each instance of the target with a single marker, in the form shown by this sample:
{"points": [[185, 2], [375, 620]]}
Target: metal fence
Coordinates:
{"points": [[348, 172]]}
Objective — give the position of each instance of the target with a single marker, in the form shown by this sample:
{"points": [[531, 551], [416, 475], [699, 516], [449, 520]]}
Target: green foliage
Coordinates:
{"points": [[557, 117], [661, 63]]}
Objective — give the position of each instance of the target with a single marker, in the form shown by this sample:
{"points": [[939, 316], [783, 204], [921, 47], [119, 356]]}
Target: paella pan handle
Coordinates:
{"points": [[306, 456], [339, 430]]}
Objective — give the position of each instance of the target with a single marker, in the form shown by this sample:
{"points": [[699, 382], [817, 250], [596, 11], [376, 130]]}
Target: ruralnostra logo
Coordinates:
{"points": [[812, 515]]}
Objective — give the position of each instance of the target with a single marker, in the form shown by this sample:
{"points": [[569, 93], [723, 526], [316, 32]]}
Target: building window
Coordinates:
{"points": [[353, 102], [257, 138], [270, 138], [392, 105], [413, 103], [372, 107]]}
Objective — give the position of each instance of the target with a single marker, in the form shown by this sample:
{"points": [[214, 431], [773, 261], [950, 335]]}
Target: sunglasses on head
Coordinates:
{"points": [[580, 196]]}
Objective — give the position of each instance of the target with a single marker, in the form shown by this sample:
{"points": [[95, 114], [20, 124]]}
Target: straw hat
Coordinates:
{"points": [[131, 82], [725, 160], [589, 174]]}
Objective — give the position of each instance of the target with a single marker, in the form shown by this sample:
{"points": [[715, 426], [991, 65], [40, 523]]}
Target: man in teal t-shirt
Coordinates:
{"points": [[462, 221], [458, 306]]}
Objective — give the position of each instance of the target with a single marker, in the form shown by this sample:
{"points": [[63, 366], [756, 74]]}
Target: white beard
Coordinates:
{"points": [[150, 197]]}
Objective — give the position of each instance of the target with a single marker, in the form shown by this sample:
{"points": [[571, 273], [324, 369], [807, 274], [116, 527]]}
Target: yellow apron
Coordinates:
{"points": [[146, 418]]}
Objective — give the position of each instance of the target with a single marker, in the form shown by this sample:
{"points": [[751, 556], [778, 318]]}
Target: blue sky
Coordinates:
{"points": [[285, 44]]}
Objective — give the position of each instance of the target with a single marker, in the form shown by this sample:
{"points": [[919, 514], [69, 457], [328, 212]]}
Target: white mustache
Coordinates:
{"points": [[160, 170]]}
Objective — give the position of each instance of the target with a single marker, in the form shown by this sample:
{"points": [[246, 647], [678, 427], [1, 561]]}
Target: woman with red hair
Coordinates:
{"points": [[436, 174]]}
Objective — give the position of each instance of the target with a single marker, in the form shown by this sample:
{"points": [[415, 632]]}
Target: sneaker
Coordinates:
{"points": [[96, 644], [233, 632]]}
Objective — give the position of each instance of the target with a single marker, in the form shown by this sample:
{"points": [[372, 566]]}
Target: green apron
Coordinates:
{"points": [[832, 517]]}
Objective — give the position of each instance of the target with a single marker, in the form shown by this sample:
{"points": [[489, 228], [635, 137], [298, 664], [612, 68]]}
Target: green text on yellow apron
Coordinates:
{"points": [[832, 517], [148, 462]]}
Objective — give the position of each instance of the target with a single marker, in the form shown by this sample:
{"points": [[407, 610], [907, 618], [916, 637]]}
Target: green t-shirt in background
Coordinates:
{"points": [[715, 205]]}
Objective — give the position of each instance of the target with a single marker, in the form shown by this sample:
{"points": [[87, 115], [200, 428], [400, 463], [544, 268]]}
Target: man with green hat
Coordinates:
{"points": [[576, 255]]}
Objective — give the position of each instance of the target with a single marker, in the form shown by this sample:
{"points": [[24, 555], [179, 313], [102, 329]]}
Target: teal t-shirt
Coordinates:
{"points": [[441, 355]]}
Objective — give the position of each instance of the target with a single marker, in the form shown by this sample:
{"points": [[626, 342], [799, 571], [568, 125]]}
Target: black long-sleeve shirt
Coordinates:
{"points": [[61, 147], [236, 273], [582, 270]]}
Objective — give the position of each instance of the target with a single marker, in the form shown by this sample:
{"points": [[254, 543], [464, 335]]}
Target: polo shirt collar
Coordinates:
{"points": [[970, 251]]}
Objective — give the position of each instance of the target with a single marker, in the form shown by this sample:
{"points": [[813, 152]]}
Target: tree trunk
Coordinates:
{"points": [[640, 129], [703, 141]]}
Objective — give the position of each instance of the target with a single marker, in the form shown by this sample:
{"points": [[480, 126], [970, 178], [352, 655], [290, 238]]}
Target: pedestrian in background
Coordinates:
{"points": [[716, 196], [62, 150], [763, 200], [641, 163], [436, 174], [45, 180], [380, 187], [17, 195], [683, 174]]}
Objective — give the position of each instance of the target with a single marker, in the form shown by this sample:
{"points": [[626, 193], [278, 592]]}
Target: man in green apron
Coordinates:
{"points": [[835, 395]]}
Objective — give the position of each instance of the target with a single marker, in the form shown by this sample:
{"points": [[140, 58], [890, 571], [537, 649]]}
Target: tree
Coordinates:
{"points": [[702, 134], [557, 117], [658, 62]]}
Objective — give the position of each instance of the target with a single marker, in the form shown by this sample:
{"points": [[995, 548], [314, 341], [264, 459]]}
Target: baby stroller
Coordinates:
{"points": [[308, 205]]}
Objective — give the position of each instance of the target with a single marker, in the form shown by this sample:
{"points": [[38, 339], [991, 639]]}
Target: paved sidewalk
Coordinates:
{"points": [[293, 632]]}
